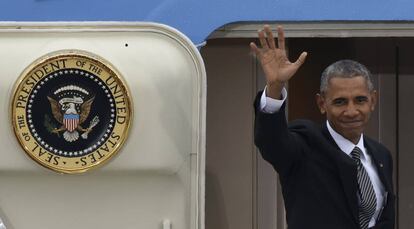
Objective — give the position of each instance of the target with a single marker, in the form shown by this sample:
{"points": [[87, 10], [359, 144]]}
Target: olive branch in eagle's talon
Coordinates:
{"points": [[50, 127], [92, 124]]}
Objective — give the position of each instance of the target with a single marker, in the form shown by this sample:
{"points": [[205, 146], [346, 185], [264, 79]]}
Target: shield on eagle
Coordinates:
{"points": [[71, 121]]}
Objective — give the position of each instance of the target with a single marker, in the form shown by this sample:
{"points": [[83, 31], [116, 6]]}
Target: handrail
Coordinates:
{"points": [[2, 226]]}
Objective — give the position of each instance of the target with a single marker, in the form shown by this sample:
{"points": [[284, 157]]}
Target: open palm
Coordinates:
{"points": [[276, 66]]}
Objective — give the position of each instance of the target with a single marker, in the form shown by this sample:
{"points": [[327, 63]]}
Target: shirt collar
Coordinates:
{"points": [[344, 144]]}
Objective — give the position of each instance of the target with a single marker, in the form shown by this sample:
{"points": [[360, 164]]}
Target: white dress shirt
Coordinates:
{"points": [[270, 105]]}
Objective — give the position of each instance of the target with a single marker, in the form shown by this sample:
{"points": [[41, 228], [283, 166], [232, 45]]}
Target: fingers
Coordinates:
{"points": [[280, 38], [270, 38], [267, 39], [301, 59], [262, 39], [254, 48]]}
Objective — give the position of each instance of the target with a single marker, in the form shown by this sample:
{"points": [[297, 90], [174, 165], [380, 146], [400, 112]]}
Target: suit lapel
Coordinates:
{"points": [[379, 163], [347, 172]]}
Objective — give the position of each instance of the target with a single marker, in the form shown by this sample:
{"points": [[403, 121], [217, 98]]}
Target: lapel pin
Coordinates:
{"points": [[381, 165]]}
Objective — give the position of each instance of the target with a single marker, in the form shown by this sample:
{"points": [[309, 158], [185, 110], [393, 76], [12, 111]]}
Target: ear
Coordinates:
{"points": [[320, 100], [374, 99]]}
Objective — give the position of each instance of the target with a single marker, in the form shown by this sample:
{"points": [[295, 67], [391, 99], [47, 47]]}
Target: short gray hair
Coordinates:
{"points": [[345, 69]]}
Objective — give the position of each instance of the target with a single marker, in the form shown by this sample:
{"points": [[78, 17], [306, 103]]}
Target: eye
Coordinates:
{"points": [[361, 99], [339, 102]]}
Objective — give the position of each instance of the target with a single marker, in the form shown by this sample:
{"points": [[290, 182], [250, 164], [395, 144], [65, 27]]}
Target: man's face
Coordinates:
{"points": [[348, 105]]}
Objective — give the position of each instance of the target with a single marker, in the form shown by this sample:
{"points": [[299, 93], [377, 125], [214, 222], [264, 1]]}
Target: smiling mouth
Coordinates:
{"points": [[352, 123]]}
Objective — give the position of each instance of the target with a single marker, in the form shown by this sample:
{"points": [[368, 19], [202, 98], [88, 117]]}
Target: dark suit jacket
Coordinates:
{"points": [[318, 180]]}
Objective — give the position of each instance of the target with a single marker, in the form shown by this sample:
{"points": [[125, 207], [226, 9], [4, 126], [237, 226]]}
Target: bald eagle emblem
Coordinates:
{"points": [[71, 110]]}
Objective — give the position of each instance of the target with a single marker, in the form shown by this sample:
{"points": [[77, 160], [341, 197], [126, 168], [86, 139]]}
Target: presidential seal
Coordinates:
{"points": [[71, 111]]}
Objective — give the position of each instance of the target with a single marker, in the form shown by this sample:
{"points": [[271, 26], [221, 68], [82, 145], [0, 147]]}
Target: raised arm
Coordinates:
{"points": [[276, 143], [276, 66]]}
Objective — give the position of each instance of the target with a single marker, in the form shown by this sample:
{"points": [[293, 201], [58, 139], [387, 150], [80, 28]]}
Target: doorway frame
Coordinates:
{"points": [[316, 29]]}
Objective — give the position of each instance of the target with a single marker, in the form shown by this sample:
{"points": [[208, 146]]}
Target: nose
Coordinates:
{"points": [[351, 110]]}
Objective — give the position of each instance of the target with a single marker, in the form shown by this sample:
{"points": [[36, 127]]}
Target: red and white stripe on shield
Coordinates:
{"points": [[71, 121]]}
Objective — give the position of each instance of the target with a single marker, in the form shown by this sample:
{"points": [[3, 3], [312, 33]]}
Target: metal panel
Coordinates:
{"points": [[230, 173], [159, 173]]}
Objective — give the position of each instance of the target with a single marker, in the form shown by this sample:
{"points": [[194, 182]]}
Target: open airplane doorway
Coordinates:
{"points": [[241, 189]]}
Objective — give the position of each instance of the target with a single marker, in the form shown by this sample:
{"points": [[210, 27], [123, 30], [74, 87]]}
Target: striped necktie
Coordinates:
{"points": [[368, 200]]}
